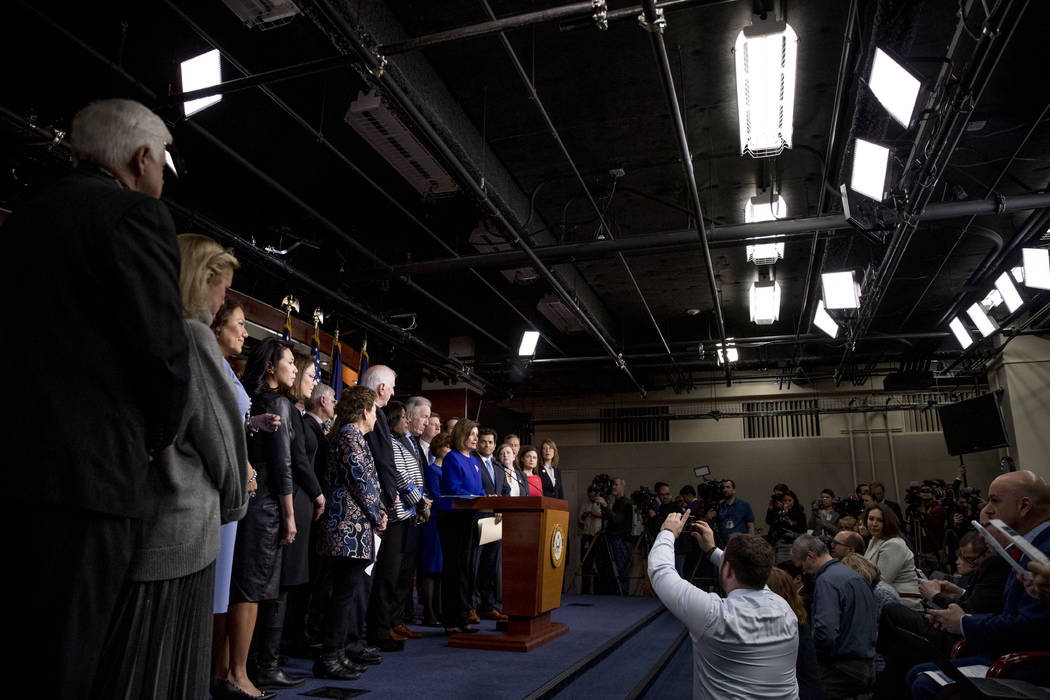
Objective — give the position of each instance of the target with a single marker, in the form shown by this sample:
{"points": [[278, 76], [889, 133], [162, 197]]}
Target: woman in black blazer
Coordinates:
{"points": [[549, 462]]}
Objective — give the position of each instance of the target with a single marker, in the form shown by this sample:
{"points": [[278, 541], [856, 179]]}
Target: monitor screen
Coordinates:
{"points": [[973, 425]]}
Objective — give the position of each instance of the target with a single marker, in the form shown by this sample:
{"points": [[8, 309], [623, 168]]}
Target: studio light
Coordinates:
{"points": [[1037, 268], [761, 208], [961, 334], [197, 73], [765, 302], [823, 320], [1009, 292], [766, 54], [730, 351], [1018, 274], [528, 343], [991, 300], [980, 319], [870, 164], [894, 87], [840, 290]]}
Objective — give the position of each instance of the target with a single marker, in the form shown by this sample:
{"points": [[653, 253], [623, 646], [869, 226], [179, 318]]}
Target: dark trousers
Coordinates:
{"points": [[486, 576], [72, 564], [403, 607], [383, 602], [844, 678], [900, 651], [621, 550], [339, 619], [454, 528]]}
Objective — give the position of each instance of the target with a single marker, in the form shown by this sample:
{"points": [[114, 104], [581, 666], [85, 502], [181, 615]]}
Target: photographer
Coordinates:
{"points": [[824, 518], [926, 521], [773, 509], [788, 523], [618, 519], [734, 515]]}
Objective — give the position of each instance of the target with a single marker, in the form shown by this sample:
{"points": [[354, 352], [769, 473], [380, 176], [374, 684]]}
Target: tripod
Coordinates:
{"points": [[589, 566]]}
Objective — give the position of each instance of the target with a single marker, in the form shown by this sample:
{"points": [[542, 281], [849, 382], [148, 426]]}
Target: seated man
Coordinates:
{"points": [[843, 619], [1021, 500], [745, 642]]}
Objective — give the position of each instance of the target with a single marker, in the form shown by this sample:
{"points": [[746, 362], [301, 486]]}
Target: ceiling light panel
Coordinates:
{"points": [[840, 290], [730, 351], [765, 303], [961, 334], [198, 73], [980, 319], [870, 163], [894, 87], [766, 54], [762, 208], [823, 320], [765, 253], [1009, 292], [1036, 268], [529, 339]]}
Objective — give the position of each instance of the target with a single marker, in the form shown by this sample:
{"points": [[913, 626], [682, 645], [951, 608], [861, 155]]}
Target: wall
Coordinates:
{"points": [[1024, 376]]}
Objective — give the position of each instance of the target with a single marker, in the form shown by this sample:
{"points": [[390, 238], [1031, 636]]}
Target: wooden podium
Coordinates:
{"points": [[535, 534]]}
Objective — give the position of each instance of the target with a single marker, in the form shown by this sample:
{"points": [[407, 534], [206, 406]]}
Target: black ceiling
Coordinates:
{"points": [[277, 165]]}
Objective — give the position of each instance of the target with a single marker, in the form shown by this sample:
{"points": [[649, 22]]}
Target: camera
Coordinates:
{"points": [[603, 484], [645, 499]]}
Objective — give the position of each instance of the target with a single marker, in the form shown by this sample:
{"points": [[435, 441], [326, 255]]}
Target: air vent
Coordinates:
{"points": [[635, 424], [387, 134], [264, 14]]}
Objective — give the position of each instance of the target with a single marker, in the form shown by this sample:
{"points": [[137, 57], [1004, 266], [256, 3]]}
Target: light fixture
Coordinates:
{"points": [[765, 302], [762, 208], [1018, 274], [197, 73], [961, 334], [730, 351], [894, 87], [870, 164], [824, 321], [984, 324], [840, 290], [1036, 268], [1009, 292], [170, 162], [528, 343], [765, 253], [766, 54], [991, 300]]}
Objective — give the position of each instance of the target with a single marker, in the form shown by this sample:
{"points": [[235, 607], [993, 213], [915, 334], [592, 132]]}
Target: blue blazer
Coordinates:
{"points": [[460, 476], [1023, 624]]}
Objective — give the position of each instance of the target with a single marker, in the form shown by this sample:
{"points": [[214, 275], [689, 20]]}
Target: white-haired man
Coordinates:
{"points": [[95, 254]]}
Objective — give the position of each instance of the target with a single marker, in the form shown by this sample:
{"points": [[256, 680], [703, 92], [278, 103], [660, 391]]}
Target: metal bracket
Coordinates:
{"points": [[1000, 204], [600, 14], [57, 140], [620, 362], [377, 70], [658, 25]]}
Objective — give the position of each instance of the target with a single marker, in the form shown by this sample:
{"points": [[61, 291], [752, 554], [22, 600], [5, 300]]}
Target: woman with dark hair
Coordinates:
{"points": [[890, 553], [345, 533], [159, 645], [528, 464], [270, 520], [789, 523], [824, 518], [807, 673], [460, 476], [431, 565]]}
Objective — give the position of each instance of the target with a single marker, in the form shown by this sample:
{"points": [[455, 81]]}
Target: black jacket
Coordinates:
{"points": [[383, 454], [550, 490], [103, 354]]}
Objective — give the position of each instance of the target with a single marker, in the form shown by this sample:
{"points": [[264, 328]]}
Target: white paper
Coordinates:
{"points": [[376, 541], [974, 671], [489, 531], [1021, 543], [994, 543]]}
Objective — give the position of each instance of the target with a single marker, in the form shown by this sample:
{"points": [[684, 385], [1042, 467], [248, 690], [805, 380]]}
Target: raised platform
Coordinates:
{"points": [[431, 668]]}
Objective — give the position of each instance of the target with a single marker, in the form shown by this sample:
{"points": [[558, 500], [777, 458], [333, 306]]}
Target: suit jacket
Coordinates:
{"points": [[1021, 626], [383, 453], [550, 490], [304, 450], [321, 452], [500, 487], [112, 284]]}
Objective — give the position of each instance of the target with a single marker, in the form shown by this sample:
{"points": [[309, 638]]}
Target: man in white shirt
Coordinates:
{"points": [[744, 645]]}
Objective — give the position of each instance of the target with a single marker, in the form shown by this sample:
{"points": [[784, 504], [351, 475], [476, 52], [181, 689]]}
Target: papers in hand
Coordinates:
{"points": [[489, 531], [377, 540], [997, 546], [975, 671]]}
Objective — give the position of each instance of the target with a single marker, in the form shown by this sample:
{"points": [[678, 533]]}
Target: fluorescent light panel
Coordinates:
{"points": [[766, 54], [870, 163], [961, 334], [731, 351], [894, 87], [980, 319], [197, 73], [1009, 292], [529, 339], [765, 253], [170, 162], [760, 208], [824, 321], [1036, 268], [765, 303], [840, 290]]}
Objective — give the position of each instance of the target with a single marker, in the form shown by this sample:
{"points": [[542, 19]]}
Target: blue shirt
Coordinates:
{"points": [[843, 614], [734, 518], [460, 476]]}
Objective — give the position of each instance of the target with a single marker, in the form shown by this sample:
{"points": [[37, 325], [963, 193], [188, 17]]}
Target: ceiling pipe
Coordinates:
{"points": [[731, 235], [244, 162], [655, 24], [535, 98], [376, 66], [323, 141]]}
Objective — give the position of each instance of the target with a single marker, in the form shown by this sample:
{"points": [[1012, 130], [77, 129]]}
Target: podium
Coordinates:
{"points": [[535, 534]]}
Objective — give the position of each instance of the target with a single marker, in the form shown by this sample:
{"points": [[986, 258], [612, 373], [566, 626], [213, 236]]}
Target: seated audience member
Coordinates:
{"points": [[846, 542], [888, 551], [747, 640], [988, 573], [843, 620], [806, 671], [884, 593], [1020, 499]]}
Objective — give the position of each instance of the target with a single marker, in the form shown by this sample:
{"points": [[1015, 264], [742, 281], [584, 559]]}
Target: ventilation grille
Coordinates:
{"points": [[782, 419], [635, 424]]}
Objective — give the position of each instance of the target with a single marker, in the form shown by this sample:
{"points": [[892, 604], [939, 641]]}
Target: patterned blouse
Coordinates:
{"points": [[352, 497]]}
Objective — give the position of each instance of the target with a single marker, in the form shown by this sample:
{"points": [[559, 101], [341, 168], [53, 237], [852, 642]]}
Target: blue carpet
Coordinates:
{"points": [[676, 680], [429, 668]]}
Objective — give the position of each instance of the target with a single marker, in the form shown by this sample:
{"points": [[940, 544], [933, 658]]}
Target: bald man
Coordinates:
{"points": [[1021, 500]]}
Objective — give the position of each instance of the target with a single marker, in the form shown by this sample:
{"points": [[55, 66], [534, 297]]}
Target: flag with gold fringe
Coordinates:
{"points": [[337, 366], [363, 367]]}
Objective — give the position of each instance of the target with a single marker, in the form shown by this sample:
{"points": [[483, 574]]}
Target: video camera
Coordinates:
{"points": [[603, 484]]}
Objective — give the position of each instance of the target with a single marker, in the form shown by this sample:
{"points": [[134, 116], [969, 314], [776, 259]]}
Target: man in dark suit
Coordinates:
{"points": [[95, 254], [486, 557]]}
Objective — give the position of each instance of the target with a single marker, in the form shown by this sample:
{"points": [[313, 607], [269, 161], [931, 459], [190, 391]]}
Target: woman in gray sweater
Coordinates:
{"points": [[160, 647]]}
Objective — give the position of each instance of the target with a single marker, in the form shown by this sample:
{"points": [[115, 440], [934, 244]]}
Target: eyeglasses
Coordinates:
{"points": [[836, 542], [972, 561]]}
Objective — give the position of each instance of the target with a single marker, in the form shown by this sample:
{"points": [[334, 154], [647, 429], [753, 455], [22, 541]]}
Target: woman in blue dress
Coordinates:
{"points": [[431, 564]]}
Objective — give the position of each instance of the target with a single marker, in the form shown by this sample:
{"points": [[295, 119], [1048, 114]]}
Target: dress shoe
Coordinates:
{"points": [[331, 666], [406, 633], [270, 678], [431, 622], [391, 644], [353, 665], [472, 617], [225, 690], [494, 615], [396, 636], [366, 658], [370, 650]]}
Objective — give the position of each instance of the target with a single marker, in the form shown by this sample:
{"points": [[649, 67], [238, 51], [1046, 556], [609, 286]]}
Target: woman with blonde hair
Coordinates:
{"points": [[160, 643], [807, 672]]}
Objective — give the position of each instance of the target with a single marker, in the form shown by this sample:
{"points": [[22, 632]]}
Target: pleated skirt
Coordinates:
{"points": [[159, 645]]}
